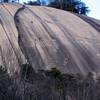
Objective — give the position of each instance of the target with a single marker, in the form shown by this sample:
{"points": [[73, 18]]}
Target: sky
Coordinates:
{"points": [[94, 6]]}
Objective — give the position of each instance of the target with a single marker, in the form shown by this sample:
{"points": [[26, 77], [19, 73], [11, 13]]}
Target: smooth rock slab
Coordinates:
{"points": [[46, 37]]}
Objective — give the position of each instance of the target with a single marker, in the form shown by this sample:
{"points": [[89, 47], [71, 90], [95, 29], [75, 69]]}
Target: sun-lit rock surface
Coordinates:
{"points": [[47, 37]]}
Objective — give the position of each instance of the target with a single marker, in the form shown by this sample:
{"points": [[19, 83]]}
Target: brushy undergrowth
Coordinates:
{"points": [[47, 85]]}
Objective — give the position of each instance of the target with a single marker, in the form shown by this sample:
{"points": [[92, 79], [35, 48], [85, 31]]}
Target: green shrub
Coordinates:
{"points": [[26, 71], [2, 70], [55, 72]]}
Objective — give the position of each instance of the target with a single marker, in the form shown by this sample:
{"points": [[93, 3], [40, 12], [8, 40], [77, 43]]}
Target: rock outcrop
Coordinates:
{"points": [[46, 37], [34, 40]]}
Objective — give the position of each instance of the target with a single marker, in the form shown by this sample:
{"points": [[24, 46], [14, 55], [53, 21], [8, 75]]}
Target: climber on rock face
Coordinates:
{"points": [[24, 6]]}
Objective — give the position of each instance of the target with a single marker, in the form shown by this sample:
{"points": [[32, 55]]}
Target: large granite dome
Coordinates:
{"points": [[46, 37]]}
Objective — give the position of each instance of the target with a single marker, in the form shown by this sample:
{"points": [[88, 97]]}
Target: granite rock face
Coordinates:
{"points": [[47, 53], [46, 37]]}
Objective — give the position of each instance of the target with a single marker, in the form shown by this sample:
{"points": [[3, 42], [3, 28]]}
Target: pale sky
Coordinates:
{"points": [[94, 6]]}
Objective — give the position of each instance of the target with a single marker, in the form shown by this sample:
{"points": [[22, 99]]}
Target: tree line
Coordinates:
{"points": [[76, 6]]}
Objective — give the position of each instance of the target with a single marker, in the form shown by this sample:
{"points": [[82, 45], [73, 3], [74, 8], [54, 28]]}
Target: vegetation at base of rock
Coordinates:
{"points": [[54, 72], [47, 85], [26, 71], [2, 70]]}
